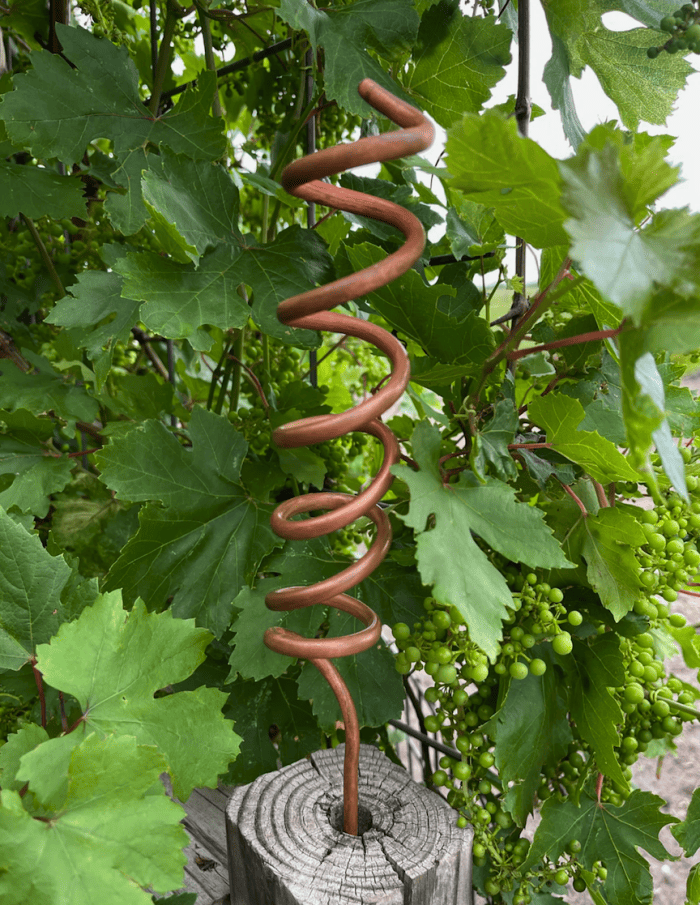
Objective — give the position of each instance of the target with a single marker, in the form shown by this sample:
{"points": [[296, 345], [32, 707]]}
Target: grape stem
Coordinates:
{"points": [[45, 256], [600, 493], [575, 498], [682, 708], [40, 689]]}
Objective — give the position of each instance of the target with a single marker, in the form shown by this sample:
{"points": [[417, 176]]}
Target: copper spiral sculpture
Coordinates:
{"points": [[303, 178]]}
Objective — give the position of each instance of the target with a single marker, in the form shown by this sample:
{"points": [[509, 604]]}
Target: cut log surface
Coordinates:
{"points": [[286, 845]]}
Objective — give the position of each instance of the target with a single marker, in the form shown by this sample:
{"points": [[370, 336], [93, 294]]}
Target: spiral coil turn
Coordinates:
{"points": [[312, 310]]}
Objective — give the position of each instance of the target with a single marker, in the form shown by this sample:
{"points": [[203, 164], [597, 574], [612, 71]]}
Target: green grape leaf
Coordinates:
{"points": [[197, 202], [36, 471], [687, 833], [181, 297], [560, 416], [300, 563], [55, 110], [645, 172], [644, 411], [593, 668], [624, 263], [207, 541], [492, 164], [345, 36], [472, 229], [491, 443], [692, 886], [608, 541], [642, 89], [97, 316], [610, 833], [448, 557], [531, 729], [31, 584], [457, 61], [102, 832], [37, 192], [266, 710], [17, 745], [113, 662], [43, 389], [415, 309], [126, 210], [371, 677], [557, 78], [394, 591]]}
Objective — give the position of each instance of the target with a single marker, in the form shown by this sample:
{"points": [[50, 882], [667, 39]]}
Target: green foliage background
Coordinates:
{"points": [[145, 245]]}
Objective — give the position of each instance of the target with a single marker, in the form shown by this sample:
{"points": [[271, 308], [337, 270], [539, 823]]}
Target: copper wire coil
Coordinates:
{"points": [[311, 310]]}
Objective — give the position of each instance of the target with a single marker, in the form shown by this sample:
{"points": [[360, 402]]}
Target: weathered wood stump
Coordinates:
{"points": [[286, 845]]}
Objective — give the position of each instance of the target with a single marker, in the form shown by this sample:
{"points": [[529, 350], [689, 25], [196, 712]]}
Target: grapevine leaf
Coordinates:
{"points": [[197, 201], [208, 540], [492, 164], [491, 443], [625, 263], [415, 309], [608, 542], [458, 60], [31, 584], [472, 229], [639, 89], [595, 711], [97, 316], [36, 473], [37, 192], [447, 555], [126, 211], [645, 171], [55, 110], [250, 658], [531, 729], [687, 833], [371, 677], [557, 78], [644, 411], [560, 416], [180, 297], [394, 592], [692, 886], [642, 89], [300, 563], [608, 833], [17, 745], [266, 710], [108, 832], [345, 35], [44, 388], [114, 662]]}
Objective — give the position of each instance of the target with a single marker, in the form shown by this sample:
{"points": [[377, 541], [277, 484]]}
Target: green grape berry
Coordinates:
{"points": [[562, 644], [518, 670], [538, 667]]}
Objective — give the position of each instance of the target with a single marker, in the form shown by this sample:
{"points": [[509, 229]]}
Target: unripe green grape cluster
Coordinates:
{"points": [[684, 28]]}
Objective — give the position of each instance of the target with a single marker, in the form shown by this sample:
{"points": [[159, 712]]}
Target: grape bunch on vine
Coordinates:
{"points": [[545, 507]]}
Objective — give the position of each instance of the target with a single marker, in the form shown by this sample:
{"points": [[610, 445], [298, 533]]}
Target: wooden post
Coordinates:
{"points": [[286, 845]]}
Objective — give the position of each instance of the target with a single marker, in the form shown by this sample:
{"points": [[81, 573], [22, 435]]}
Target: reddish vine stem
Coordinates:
{"points": [[600, 493], [40, 688], [575, 498], [64, 718], [529, 446], [568, 341]]}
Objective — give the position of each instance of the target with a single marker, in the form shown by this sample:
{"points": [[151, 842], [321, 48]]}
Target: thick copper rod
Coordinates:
{"points": [[303, 178]]}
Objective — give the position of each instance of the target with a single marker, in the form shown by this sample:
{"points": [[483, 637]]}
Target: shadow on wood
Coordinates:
{"points": [[286, 845]]}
